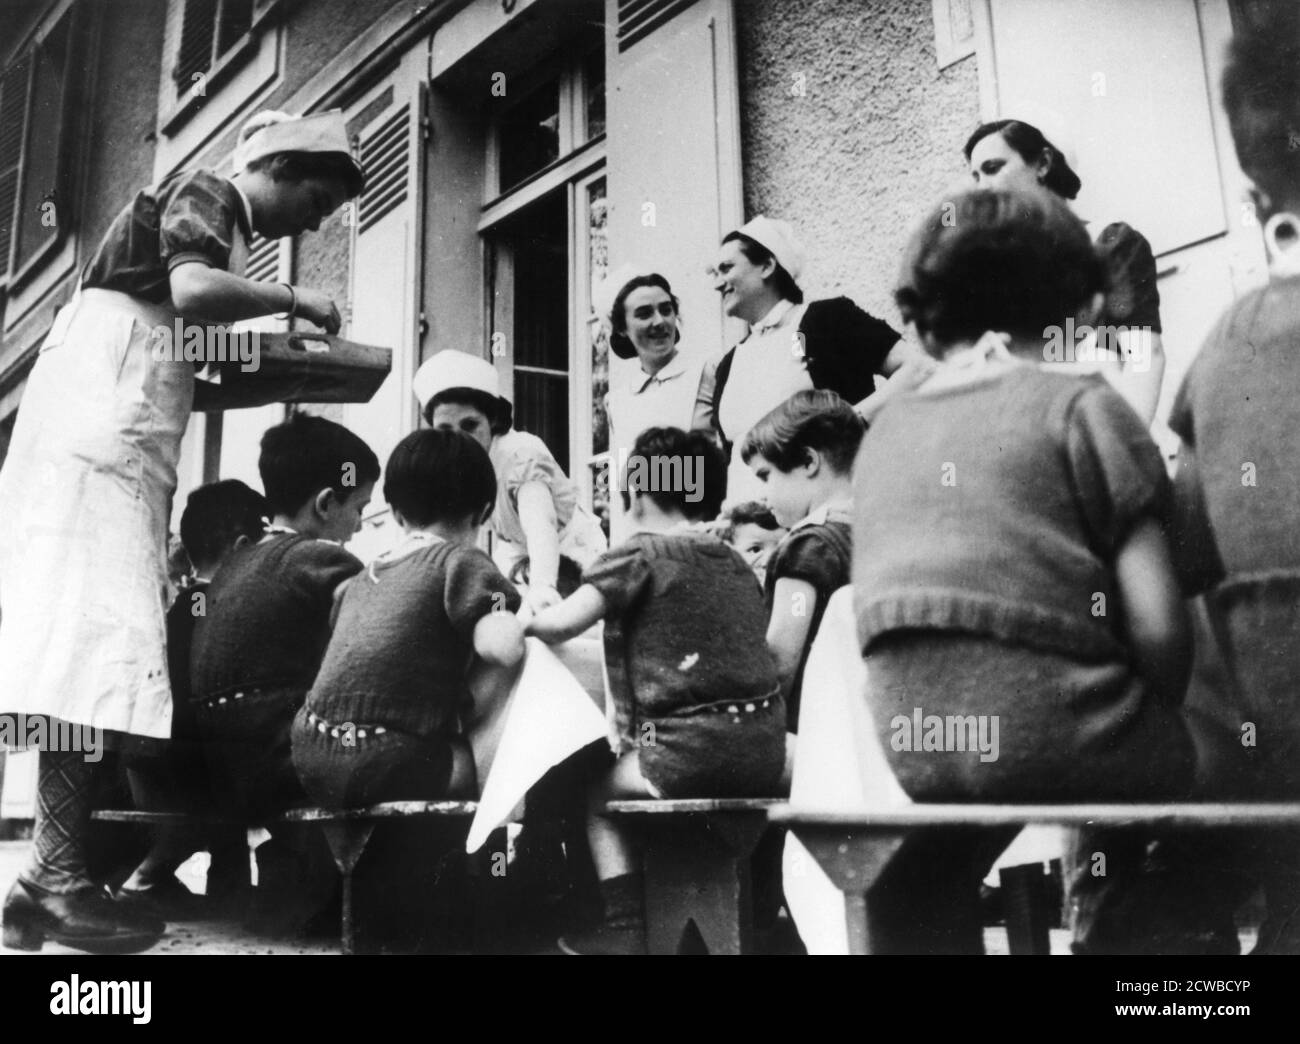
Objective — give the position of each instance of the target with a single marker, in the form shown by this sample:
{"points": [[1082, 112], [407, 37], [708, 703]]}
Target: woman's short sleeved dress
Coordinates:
{"points": [[87, 485]]}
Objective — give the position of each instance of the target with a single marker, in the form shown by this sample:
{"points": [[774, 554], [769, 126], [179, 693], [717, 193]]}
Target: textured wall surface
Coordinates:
{"points": [[874, 140]]}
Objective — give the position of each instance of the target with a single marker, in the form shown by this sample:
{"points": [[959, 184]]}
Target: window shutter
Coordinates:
{"points": [[637, 19], [669, 205], [197, 28], [385, 155], [13, 109], [235, 20], [43, 180]]}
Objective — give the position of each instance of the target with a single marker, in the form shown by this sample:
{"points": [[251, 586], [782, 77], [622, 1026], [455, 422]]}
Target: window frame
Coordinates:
{"points": [[71, 139]]}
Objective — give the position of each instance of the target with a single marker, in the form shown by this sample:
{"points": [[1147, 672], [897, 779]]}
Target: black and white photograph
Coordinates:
{"points": [[650, 477]]}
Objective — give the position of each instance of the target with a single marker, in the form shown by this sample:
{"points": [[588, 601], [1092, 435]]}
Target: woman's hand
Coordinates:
{"points": [[319, 308]]}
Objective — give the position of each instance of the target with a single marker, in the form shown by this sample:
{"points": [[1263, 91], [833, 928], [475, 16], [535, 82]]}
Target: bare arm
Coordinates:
{"points": [[537, 516], [570, 618], [1142, 355], [1155, 618], [499, 639], [793, 605], [200, 291], [916, 369]]}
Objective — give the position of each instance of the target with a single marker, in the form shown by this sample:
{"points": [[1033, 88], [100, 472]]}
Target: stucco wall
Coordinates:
{"points": [[874, 140]]}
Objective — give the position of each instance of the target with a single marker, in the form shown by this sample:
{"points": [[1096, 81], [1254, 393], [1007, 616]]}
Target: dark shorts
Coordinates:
{"points": [[246, 746], [715, 754], [360, 767]]}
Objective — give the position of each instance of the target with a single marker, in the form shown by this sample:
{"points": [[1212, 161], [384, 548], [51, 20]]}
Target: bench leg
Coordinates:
{"points": [[854, 861], [347, 840], [698, 873], [1026, 900]]}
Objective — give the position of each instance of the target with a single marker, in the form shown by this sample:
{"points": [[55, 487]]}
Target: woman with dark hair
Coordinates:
{"points": [[1012, 154], [664, 391], [88, 483], [537, 523], [791, 346]]}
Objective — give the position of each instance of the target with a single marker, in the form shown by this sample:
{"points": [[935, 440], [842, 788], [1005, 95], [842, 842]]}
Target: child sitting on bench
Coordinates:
{"points": [[697, 701], [1024, 635], [381, 721], [803, 454]]}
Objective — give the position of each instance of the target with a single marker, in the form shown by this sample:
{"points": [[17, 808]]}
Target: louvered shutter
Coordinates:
{"points": [[671, 79], [197, 28], [13, 110]]}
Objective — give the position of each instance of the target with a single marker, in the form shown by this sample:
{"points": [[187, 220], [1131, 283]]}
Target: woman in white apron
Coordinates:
{"points": [[88, 482], [663, 390], [537, 514]]}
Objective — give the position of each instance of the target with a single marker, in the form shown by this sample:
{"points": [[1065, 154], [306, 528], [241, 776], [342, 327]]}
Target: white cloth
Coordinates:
{"points": [[668, 398], [86, 491], [839, 764], [547, 717], [767, 369]]}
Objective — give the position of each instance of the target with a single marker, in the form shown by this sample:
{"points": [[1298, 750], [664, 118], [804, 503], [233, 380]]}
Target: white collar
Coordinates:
{"points": [[774, 316], [832, 511], [675, 367]]}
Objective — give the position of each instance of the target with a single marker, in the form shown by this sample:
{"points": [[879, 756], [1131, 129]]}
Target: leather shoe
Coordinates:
{"points": [[86, 920]]}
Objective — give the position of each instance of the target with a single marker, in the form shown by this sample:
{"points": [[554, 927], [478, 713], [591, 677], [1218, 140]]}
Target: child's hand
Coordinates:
{"points": [[499, 639], [541, 596]]}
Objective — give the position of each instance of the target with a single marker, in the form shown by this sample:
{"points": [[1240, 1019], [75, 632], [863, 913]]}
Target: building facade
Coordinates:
{"points": [[519, 149]]}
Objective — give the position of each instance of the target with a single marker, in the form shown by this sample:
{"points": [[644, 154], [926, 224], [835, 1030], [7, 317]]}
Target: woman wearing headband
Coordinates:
{"points": [[1012, 154], [791, 346], [88, 483]]}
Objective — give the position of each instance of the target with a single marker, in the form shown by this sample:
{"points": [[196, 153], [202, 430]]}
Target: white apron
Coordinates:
{"points": [[85, 500]]}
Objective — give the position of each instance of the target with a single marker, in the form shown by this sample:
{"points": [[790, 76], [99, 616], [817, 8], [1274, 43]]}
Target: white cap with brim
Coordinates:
{"points": [[451, 368], [779, 239], [606, 292], [269, 133]]}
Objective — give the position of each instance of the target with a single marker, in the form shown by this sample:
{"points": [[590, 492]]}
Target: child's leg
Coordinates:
{"points": [[463, 783], [611, 848]]}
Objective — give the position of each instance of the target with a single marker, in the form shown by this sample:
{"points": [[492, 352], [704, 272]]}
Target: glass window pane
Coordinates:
{"points": [[593, 82], [542, 407], [598, 267], [529, 134]]}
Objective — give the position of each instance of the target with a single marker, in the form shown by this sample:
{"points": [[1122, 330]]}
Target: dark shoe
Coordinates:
{"points": [[605, 941], [87, 920], [168, 900]]}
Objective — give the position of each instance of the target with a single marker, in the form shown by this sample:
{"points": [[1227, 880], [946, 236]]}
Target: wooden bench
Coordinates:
{"points": [[347, 832], [696, 856], [855, 847]]}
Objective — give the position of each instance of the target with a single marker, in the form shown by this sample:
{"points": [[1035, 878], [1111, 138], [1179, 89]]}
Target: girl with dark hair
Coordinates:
{"points": [[664, 391], [791, 346], [537, 522], [1012, 154], [91, 470]]}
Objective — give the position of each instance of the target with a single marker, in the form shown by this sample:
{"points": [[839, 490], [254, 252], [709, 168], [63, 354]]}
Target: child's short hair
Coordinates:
{"points": [[818, 420], [749, 512], [678, 470], [436, 475], [997, 260], [218, 514], [307, 454], [1261, 93]]}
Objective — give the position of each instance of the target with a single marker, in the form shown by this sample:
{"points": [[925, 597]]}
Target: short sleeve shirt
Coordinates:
{"points": [[519, 458], [189, 216], [684, 627], [999, 508]]}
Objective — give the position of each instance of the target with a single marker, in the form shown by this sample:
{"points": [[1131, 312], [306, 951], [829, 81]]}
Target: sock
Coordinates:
{"points": [[623, 896], [64, 798]]}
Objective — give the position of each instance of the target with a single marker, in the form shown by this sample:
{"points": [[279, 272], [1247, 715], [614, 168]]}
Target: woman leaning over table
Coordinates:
{"points": [[792, 345], [88, 483]]}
